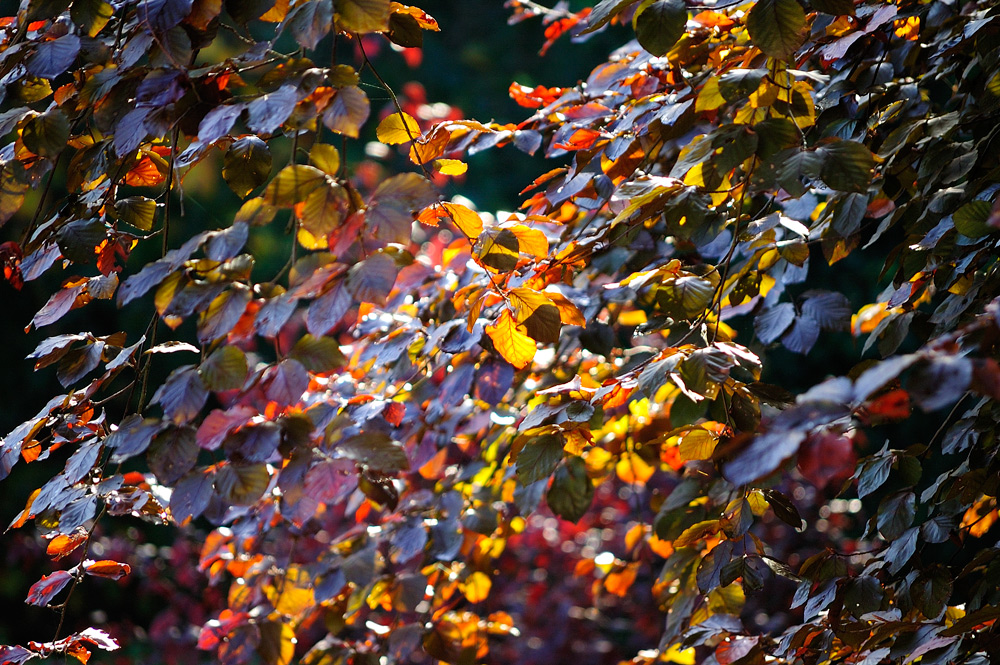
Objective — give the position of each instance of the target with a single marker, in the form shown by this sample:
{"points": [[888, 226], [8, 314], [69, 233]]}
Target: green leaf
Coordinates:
{"points": [[362, 15], [405, 31], [78, 240], [225, 369], [777, 27], [658, 24], [138, 211], [971, 220], [572, 491], [539, 458], [318, 354], [845, 165], [246, 165], [46, 134], [90, 15]]}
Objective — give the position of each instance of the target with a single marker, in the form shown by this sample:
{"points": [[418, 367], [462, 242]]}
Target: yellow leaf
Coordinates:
{"points": [[537, 314], [477, 587], [633, 469], [291, 595], [467, 221], [276, 14], [678, 656], [450, 166], [397, 128], [698, 444], [515, 346], [710, 98], [531, 241]]}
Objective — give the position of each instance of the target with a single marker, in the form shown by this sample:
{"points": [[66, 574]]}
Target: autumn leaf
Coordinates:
{"points": [[515, 346]]}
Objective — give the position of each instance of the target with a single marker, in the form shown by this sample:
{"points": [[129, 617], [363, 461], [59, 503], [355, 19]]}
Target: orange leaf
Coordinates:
{"points": [[144, 174], [621, 581], [64, 544], [112, 570], [515, 346]]}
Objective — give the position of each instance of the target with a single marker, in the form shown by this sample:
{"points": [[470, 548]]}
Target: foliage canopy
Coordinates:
{"points": [[437, 430]]}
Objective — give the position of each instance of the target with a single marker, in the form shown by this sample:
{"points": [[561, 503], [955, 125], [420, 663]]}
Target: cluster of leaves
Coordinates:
{"points": [[387, 433]]}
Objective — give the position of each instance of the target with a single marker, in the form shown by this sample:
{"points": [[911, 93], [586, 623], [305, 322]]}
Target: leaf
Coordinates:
{"points": [[138, 211], [182, 395], [777, 27], [79, 239], [191, 496], [571, 492], [45, 589], [698, 444], [392, 208], [310, 22], [326, 158], [226, 244], [91, 15], [132, 437], [658, 24], [46, 134], [162, 15], [277, 638], [293, 184], [397, 128], [173, 453], [242, 484], [218, 122], [268, 112], [372, 279], [763, 456], [223, 313], [895, 514], [467, 221], [773, 322], [539, 458], [247, 165], [112, 570], [375, 450], [603, 12], [537, 314], [971, 220], [498, 249], [845, 165], [348, 111], [54, 57], [318, 354], [362, 15], [225, 369], [515, 346]]}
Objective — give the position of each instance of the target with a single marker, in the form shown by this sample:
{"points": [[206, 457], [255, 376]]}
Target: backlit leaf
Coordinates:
{"points": [[515, 346], [397, 128], [362, 15], [247, 165]]}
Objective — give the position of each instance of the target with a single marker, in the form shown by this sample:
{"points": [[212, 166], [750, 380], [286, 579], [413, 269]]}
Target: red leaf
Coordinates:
{"points": [[45, 589], [394, 412]]}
